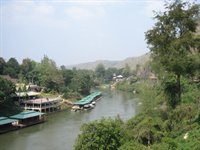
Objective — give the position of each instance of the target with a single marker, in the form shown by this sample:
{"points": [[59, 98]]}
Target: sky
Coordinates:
{"points": [[75, 31]]}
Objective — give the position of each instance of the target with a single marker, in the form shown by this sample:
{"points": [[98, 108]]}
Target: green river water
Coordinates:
{"points": [[62, 128]]}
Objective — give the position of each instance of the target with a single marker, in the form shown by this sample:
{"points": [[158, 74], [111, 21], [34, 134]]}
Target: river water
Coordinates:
{"points": [[62, 128]]}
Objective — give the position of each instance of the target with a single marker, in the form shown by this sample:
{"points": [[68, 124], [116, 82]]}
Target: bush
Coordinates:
{"points": [[105, 134], [132, 146]]}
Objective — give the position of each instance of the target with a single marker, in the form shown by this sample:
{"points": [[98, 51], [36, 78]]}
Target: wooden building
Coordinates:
{"points": [[43, 104]]}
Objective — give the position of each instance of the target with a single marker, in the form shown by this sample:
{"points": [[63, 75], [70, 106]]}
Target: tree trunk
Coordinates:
{"points": [[178, 80]]}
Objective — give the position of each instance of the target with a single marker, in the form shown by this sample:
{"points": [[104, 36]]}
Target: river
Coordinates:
{"points": [[62, 128]]}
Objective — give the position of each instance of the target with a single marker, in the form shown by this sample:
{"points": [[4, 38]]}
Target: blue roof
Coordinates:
{"points": [[6, 120], [88, 99], [26, 114]]}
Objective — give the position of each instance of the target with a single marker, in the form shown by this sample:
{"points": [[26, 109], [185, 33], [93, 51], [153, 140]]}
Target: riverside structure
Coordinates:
{"points": [[21, 120], [42, 104], [87, 102], [33, 101]]}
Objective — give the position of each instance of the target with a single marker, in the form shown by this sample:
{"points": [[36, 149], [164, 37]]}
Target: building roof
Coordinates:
{"points": [[42, 100], [88, 99], [30, 93], [120, 76], [6, 120], [26, 114]]}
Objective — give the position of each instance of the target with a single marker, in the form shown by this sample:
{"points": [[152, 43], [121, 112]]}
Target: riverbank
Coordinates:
{"points": [[159, 126]]}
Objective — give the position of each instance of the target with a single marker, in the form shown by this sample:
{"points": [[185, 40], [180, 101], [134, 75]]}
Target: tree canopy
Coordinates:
{"points": [[12, 68], [105, 134], [7, 91], [173, 44]]}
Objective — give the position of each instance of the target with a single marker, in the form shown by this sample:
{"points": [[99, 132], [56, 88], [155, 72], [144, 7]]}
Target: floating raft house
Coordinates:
{"points": [[6, 124], [88, 99], [28, 118]]}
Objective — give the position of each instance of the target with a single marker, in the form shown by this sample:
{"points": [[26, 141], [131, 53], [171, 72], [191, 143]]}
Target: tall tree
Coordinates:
{"points": [[49, 75], [100, 71], [171, 41], [7, 91], [12, 68], [27, 68]]}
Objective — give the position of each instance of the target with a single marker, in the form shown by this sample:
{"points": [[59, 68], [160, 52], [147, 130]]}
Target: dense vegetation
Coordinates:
{"points": [[7, 91], [72, 84], [170, 110]]}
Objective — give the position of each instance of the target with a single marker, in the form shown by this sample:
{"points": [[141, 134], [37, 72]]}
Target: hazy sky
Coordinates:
{"points": [[75, 31]]}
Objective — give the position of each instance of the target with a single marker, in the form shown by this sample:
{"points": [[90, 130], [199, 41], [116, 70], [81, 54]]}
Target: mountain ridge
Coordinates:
{"points": [[131, 61]]}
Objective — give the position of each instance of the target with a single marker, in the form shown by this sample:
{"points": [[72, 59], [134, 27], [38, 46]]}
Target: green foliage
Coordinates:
{"points": [[105, 134], [7, 91], [27, 70], [126, 71], [150, 95], [67, 75], [171, 90], [12, 68], [100, 71], [2, 65], [48, 74], [81, 82], [191, 92], [72, 83], [109, 74], [125, 86], [132, 146], [172, 43], [193, 140], [147, 131]]}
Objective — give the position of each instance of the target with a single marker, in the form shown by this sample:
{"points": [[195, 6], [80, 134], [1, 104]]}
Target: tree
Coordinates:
{"points": [[7, 91], [2, 65], [81, 82], [105, 134], [172, 42], [48, 74], [109, 74], [126, 71], [27, 68], [12, 68], [67, 75], [100, 71]]}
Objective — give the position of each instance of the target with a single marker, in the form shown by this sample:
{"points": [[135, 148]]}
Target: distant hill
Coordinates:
{"points": [[131, 61]]}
